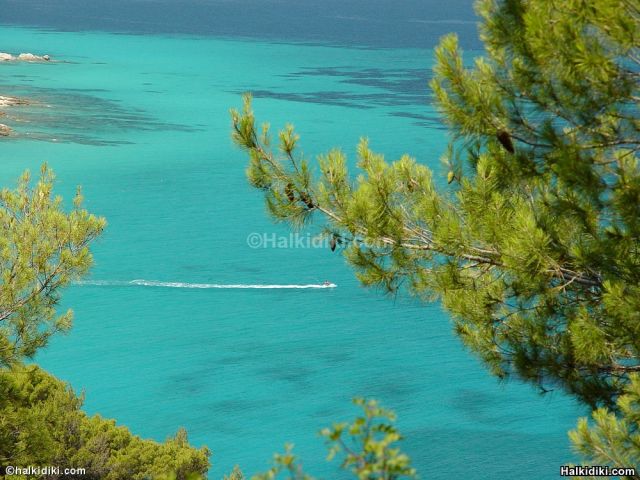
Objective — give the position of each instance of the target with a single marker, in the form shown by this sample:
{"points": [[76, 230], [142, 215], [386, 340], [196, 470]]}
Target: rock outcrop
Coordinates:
{"points": [[5, 130], [11, 101], [23, 57], [30, 57]]}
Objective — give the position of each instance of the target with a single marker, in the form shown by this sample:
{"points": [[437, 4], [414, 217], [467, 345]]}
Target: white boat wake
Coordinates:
{"points": [[152, 283]]}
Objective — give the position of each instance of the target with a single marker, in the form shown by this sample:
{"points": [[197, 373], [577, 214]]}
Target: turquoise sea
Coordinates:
{"points": [[141, 122]]}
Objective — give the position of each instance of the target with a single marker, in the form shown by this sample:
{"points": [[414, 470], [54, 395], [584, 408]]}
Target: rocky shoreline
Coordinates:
{"points": [[6, 101], [12, 101], [23, 57]]}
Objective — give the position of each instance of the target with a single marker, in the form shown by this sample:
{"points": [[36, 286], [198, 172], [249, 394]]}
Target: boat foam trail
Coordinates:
{"points": [[153, 283]]}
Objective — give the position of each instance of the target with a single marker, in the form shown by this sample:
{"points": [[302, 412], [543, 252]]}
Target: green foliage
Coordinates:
{"points": [[371, 452], [42, 249], [613, 440], [367, 444], [41, 424], [286, 463], [236, 474], [533, 244]]}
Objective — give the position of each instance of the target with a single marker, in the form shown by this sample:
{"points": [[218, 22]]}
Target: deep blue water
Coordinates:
{"points": [[138, 114], [379, 23]]}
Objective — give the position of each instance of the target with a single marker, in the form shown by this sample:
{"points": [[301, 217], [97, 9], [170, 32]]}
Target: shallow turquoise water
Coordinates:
{"points": [[142, 123]]}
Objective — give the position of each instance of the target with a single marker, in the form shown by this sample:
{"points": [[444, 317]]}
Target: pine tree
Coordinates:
{"points": [[533, 246], [613, 440], [42, 250]]}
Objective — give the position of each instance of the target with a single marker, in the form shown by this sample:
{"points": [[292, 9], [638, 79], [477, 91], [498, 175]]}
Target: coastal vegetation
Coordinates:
{"points": [[41, 423], [43, 249], [530, 238]]}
